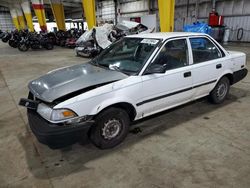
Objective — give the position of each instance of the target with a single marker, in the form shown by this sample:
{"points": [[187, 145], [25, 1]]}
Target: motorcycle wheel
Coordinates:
{"points": [[11, 43], [23, 47], [4, 40], [62, 43], [15, 45], [49, 46]]}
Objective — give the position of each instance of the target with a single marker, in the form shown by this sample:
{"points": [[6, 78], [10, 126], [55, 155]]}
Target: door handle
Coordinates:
{"points": [[218, 66], [187, 74]]}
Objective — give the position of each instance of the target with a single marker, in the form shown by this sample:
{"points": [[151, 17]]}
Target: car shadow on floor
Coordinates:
{"points": [[44, 162]]}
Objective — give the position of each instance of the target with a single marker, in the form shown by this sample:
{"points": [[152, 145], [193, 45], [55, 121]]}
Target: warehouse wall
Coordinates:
{"points": [[236, 12], [105, 10], [5, 19]]}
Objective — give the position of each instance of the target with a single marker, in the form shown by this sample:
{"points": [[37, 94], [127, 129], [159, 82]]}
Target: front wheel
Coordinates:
{"points": [[49, 46], [111, 128], [220, 92], [23, 47]]}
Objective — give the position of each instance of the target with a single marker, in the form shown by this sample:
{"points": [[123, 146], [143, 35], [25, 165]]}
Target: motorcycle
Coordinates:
{"points": [[72, 37], [16, 37], [6, 37], [35, 41], [1, 34]]}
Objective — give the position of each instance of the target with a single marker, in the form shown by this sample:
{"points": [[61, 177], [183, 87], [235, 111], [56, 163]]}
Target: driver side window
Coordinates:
{"points": [[173, 55]]}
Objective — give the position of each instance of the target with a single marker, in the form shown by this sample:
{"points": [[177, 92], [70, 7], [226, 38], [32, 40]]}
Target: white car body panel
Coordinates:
{"points": [[135, 90]]}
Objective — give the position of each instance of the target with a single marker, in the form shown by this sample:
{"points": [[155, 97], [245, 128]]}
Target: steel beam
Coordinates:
{"points": [[13, 14], [166, 15], [27, 13], [20, 16], [38, 7], [58, 12], [89, 11]]}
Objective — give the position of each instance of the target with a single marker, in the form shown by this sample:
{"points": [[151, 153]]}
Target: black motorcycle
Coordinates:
{"points": [[1, 34], [16, 38], [6, 37], [35, 41]]}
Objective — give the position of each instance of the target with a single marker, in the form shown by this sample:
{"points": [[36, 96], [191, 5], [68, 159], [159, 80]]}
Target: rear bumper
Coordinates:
{"points": [[239, 75], [56, 136]]}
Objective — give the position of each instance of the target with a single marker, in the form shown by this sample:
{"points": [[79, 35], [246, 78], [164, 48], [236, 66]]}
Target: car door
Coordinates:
{"points": [[171, 86], [208, 63]]}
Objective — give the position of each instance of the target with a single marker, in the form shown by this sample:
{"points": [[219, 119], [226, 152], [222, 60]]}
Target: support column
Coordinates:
{"points": [[27, 13], [58, 12], [166, 14], [20, 16], [13, 14], [38, 7], [89, 11]]}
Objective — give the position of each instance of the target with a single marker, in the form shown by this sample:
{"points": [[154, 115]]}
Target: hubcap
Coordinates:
{"points": [[222, 91], [111, 129]]}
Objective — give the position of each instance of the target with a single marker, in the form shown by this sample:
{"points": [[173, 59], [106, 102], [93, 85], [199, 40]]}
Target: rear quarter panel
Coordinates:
{"points": [[238, 60]]}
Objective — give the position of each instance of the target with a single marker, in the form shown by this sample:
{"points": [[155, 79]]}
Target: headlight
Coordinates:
{"points": [[55, 115], [44, 111]]}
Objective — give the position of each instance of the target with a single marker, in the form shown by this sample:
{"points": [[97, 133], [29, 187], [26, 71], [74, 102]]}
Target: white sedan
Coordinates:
{"points": [[137, 76]]}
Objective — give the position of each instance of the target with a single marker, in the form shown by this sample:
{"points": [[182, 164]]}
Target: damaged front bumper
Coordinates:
{"points": [[54, 135]]}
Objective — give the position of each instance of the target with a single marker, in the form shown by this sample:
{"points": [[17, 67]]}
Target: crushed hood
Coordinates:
{"points": [[67, 80]]}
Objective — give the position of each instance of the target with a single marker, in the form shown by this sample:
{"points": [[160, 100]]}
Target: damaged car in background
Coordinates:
{"points": [[133, 78], [92, 42]]}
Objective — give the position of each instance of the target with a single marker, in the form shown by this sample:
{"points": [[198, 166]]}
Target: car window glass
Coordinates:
{"points": [[128, 55], [173, 55], [203, 50]]}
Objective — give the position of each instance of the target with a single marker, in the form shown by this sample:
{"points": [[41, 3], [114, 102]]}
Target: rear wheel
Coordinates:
{"points": [[220, 92], [49, 46], [111, 128], [23, 47], [4, 40], [11, 43]]}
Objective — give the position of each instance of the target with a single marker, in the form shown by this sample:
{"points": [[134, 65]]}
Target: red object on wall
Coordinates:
{"points": [[215, 19]]}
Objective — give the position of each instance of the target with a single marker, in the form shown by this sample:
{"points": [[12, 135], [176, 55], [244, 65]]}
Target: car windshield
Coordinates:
{"points": [[128, 55]]}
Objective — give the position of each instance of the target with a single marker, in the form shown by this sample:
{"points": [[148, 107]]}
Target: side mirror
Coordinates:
{"points": [[156, 68]]}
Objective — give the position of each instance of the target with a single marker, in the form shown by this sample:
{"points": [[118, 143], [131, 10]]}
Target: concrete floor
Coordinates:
{"points": [[196, 145]]}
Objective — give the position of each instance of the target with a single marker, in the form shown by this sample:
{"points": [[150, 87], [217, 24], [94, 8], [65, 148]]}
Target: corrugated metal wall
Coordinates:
{"points": [[5, 20], [236, 12], [105, 11]]}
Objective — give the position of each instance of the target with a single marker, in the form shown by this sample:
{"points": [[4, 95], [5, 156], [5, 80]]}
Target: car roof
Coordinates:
{"points": [[166, 35]]}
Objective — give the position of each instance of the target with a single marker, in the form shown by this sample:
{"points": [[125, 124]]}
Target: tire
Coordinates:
{"points": [[11, 43], [62, 43], [4, 40], [49, 46], [100, 133], [220, 92], [23, 47]]}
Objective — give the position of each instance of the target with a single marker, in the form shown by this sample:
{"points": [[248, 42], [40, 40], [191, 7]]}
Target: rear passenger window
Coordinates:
{"points": [[173, 55], [204, 50]]}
